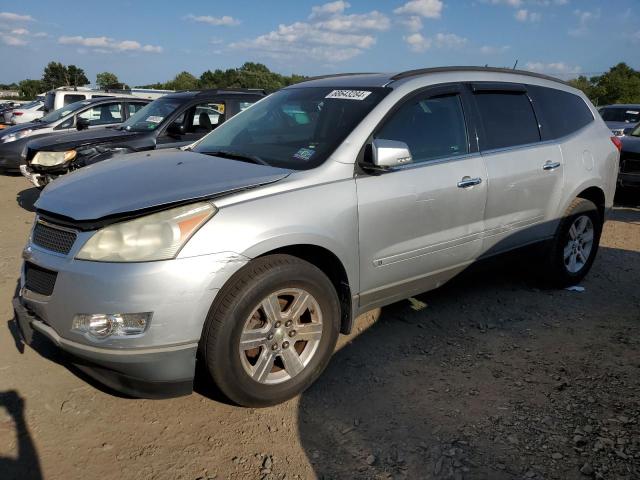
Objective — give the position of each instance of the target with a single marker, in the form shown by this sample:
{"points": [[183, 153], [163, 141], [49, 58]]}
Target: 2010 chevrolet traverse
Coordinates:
{"points": [[252, 251]]}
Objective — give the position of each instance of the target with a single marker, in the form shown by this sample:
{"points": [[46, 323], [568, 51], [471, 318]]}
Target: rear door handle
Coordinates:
{"points": [[467, 182], [550, 165]]}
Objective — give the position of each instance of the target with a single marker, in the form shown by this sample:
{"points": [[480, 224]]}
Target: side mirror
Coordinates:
{"points": [[82, 123], [176, 130], [390, 153]]}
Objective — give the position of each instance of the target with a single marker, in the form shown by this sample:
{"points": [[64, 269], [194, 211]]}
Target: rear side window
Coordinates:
{"points": [[508, 119], [72, 98], [432, 128], [562, 113]]}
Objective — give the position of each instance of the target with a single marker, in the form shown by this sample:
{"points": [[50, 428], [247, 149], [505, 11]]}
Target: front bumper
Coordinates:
{"points": [[37, 179], [147, 373], [179, 292]]}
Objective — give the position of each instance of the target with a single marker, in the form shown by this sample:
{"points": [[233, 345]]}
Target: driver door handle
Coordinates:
{"points": [[467, 182], [550, 165]]}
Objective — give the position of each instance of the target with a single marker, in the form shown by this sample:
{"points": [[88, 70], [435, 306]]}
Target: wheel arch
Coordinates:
{"points": [[595, 195]]}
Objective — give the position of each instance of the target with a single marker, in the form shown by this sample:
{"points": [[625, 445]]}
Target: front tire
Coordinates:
{"points": [[575, 244], [271, 330]]}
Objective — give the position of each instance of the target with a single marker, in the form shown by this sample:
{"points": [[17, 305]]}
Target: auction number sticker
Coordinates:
{"points": [[349, 94], [154, 119]]}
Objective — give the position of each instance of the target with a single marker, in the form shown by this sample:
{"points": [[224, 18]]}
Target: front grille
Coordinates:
{"points": [[38, 279], [52, 238]]}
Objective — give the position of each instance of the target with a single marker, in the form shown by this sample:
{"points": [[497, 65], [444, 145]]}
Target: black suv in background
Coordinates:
{"points": [[174, 120]]}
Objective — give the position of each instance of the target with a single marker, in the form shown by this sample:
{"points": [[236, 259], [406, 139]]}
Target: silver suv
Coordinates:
{"points": [[252, 250]]}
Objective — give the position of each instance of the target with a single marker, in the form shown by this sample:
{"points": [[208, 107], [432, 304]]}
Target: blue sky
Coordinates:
{"points": [[144, 42]]}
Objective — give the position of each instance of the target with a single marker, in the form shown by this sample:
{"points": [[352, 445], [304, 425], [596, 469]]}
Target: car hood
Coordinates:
{"points": [[79, 139], [143, 181], [23, 126], [630, 144]]}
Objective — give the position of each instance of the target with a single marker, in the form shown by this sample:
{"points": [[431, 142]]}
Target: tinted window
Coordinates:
{"points": [[561, 112], [72, 98], [104, 114], [134, 107], [431, 127], [619, 114], [507, 118], [204, 117]]}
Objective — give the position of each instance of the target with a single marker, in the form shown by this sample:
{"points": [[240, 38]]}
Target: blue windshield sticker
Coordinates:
{"points": [[304, 154]]}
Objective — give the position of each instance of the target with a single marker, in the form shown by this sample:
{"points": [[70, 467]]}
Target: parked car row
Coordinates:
{"points": [[251, 247]]}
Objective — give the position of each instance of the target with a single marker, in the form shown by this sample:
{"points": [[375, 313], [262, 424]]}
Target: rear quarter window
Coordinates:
{"points": [[508, 119], [561, 113]]}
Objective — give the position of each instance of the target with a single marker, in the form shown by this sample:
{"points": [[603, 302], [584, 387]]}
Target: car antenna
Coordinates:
{"points": [[515, 64]]}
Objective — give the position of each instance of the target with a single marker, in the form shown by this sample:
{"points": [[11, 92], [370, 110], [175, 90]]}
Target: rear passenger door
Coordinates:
{"points": [[422, 222], [525, 176]]}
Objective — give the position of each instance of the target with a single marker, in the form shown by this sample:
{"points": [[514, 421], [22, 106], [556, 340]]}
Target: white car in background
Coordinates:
{"points": [[27, 113]]}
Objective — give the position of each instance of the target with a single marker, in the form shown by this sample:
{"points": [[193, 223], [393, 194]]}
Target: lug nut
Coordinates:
{"points": [[270, 337], [288, 324], [292, 333], [277, 325], [285, 345], [274, 346]]}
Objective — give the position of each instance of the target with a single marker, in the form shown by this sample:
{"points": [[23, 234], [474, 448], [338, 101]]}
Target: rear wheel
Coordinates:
{"points": [[271, 331], [574, 247]]}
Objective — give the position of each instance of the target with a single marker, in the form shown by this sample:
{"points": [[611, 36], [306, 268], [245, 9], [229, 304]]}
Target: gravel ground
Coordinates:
{"points": [[486, 378]]}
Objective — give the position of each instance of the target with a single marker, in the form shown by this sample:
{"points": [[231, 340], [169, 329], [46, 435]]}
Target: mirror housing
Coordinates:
{"points": [[176, 129], [389, 153], [82, 123]]}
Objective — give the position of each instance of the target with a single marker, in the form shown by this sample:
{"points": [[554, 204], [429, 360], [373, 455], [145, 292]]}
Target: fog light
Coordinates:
{"points": [[102, 325]]}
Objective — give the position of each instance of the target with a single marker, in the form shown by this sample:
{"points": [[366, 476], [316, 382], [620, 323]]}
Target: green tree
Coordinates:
{"points": [[30, 88], [621, 84], [183, 81], [57, 75], [105, 79], [76, 76]]}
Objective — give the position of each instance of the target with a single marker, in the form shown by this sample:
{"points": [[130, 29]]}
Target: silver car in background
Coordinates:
{"points": [[252, 250]]}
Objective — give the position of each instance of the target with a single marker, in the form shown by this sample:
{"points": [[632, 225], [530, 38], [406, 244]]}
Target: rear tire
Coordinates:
{"points": [[574, 246], [271, 331]]}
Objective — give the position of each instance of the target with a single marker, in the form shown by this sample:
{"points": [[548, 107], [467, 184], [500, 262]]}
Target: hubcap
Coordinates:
{"points": [[579, 244], [281, 336]]}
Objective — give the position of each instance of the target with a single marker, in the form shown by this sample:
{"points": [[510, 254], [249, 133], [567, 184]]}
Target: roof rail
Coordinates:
{"points": [[214, 91], [424, 71], [334, 75]]}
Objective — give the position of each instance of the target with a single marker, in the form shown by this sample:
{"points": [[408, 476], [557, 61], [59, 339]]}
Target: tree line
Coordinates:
{"points": [[621, 84]]}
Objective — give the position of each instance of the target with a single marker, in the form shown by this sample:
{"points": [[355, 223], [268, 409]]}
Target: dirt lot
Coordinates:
{"points": [[486, 378]]}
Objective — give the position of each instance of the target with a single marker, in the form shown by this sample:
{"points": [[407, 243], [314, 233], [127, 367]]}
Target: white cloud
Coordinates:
{"points": [[418, 42], [422, 8], [330, 35], [20, 31], [225, 20], [450, 40], [15, 17], [13, 41], [328, 9], [554, 68], [509, 3], [413, 23], [524, 15], [585, 19], [107, 45]]}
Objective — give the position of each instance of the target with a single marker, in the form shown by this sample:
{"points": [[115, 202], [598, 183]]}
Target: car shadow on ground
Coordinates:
{"points": [[452, 384], [27, 198], [26, 465]]}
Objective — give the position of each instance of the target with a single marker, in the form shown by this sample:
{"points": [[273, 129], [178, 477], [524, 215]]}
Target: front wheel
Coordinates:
{"points": [[575, 244], [271, 331]]}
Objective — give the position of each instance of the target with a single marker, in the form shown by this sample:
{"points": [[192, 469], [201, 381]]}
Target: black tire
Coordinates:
{"points": [[235, 303], [555, 271]]}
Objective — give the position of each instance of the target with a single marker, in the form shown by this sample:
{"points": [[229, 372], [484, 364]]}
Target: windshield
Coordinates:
{"points": [[30, 104], [152, 115], [296, 128], [620, 114], [63, 112]]}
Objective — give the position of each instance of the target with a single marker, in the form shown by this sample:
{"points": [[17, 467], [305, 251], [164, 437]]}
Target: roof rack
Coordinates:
{"points": [[333, 75], [215, 91], [423, 71]]}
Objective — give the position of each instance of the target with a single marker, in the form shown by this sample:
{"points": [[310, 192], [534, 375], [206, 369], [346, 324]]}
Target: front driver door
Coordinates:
{"points": [[421, 223]]}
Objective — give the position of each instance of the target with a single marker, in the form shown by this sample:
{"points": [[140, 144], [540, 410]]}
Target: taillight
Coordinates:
{"points": [[17, 114], [617, 142]]}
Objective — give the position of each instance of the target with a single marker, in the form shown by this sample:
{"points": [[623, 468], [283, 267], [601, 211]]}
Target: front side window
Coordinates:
{"points": [[295, 128], [105, 114], [508, 119], [204, 117], [63, 112], [433, 128]]}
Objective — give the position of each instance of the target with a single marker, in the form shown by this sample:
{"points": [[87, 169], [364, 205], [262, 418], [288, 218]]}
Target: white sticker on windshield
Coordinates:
{"points": [[154, 119], [633, 112], [349, 94]]}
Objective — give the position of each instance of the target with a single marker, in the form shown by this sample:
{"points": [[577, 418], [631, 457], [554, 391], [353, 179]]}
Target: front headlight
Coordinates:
{"points": [[51, 159], [12, 137], [158, 236]]}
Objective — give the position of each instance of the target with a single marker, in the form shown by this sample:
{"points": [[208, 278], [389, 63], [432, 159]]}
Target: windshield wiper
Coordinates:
{"points": [[237, 156]]}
